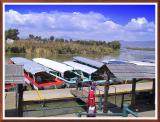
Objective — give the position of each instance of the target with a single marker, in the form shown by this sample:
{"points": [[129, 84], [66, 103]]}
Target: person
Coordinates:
{"points": [[79, 83], [93, 85], [39, 79], [91, 103]]}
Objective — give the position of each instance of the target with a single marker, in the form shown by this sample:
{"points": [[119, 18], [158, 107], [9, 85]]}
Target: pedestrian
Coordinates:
{"points": [[93, 85], [91, 103], [79, 83]]}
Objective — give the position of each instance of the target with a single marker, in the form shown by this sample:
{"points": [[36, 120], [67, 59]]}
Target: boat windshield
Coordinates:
{"points": [[43, 77], [69, 75]]}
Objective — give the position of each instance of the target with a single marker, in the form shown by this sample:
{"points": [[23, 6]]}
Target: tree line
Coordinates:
{"points": [[52, 45]]}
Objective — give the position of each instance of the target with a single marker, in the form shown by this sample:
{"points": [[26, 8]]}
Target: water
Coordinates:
{"points": [[124, 54], [128, 55]]}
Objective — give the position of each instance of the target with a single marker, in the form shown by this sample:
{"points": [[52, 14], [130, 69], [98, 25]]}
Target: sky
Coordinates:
{"points": [[98, 22]]}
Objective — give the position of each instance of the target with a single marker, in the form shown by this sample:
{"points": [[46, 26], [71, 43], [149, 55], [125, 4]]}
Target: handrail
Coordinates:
{"points": [[124, 113]]}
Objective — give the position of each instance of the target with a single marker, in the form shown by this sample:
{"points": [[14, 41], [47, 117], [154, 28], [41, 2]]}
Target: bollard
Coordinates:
{"points": [[125, 113]]}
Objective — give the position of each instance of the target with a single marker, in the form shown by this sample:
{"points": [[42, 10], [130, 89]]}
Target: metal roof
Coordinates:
{"points": [[30, 66], [81, 67], [60, 67], [130, 71], [114, 61], [19, 60], [88, 61], [14, 74]]}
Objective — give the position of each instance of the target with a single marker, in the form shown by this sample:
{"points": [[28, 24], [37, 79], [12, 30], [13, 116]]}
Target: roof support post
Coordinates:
{"points": [[133, 91], [153, 90], [106, 89], [20, 100]]}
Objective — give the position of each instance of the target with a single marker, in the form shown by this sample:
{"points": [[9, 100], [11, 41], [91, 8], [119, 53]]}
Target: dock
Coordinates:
{"points": [[60, 94]]}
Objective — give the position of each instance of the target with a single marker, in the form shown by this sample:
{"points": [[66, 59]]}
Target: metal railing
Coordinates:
{"points": [[124, 113]]}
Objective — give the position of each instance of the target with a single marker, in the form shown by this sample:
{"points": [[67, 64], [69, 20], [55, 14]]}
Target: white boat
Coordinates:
{"points": [[37, 75], [89, 72], [67, 73], [141, 63]]}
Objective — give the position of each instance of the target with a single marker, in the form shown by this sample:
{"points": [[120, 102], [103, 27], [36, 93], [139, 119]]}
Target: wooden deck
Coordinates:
{"points": [[58, 94]]}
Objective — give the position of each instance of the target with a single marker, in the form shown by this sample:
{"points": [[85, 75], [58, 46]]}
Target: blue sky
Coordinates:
{"points": [[100, 22]]}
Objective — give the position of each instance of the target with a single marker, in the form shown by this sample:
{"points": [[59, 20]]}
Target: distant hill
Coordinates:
{"points": [[138, 44]]}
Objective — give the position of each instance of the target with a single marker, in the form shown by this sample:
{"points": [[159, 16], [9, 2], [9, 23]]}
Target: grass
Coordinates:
{"points": [[56, 48]]}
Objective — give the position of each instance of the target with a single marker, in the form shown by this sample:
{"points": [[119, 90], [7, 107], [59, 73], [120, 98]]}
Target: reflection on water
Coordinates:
{"points": [[128, 55], [123, 54]]}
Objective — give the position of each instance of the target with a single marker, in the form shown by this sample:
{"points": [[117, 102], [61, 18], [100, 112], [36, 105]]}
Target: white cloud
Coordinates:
{"points": [[79, 25]]}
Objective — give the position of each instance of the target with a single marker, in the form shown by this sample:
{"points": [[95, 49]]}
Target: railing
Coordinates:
{"points": [[124, 113]]}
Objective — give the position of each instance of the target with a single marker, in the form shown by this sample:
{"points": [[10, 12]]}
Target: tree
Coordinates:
{"points": [[51, 38], [31, 36], [12, 34], [114, 44]]}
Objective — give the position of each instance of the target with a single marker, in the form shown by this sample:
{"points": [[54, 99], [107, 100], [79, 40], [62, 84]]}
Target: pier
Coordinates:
{"points": [[70, 93], [125, 72]]}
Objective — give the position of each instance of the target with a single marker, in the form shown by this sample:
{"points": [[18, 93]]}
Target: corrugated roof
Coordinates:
{"points": [[14, 74], [81, 67], [30, 66], [88, 61], [130, 71], [60, 67], [19, 60]]}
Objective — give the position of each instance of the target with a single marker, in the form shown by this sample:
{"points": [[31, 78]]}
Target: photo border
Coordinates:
{"points": [[98, 2]]}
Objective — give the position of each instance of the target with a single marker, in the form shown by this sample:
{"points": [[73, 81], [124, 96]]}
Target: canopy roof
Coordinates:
{"points": [[60, 67], [88, 61], [81, 67], [130, 71], [29, 66], [114, 61], [14, 74]]}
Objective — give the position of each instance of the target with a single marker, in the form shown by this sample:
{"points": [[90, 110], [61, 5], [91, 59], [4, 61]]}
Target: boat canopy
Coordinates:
{"points": [[114, 61], [88, 61], [30, 66], [20, 60], [141, 63], [60, 67], [84, 68]]}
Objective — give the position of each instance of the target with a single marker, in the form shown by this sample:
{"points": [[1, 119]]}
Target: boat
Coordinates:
{"points": [[114, 61], [142, 63], [89, 72], [88, 62], [66, 73], [36, 75], [10, 86]]}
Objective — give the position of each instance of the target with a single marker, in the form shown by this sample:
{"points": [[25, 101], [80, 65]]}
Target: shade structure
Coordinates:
{"points": [[88, 61], [30, 66], [130, 71], [60, 67], [14, 74], [81, 67]]}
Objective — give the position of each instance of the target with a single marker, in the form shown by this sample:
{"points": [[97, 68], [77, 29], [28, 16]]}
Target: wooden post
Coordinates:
{"points": [[106, 89], [20, 100], [153, 86], [122, 101], [133, 91]]}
